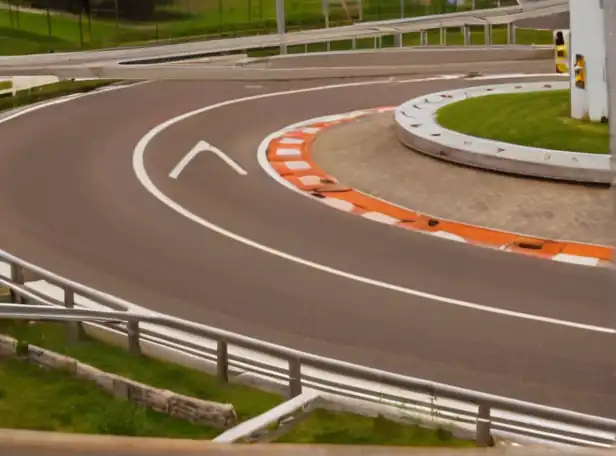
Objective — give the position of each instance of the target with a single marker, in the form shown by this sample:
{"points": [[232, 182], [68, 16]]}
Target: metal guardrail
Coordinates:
{"points": [[485, 412]]}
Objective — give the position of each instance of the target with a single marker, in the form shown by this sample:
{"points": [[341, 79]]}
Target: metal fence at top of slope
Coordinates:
{"points": [[37, 26]]}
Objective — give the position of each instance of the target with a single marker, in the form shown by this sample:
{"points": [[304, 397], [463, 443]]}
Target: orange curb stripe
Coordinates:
{"points": [[308, 177]]}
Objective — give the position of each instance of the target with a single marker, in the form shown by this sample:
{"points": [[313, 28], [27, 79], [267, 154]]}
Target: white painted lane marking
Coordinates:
{"points": [[70, 97], [517, 75], [142, 175], [485, 77], [204, 146], [444, 77], [576, 259]]}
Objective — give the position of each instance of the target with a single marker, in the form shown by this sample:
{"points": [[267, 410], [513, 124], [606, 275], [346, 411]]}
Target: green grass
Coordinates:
{"points": [[33, 33], [321, 427], [45, 400], [5, 85], [49, 91], [248, 402], [328, 427], [539, 119], [454, 37]]}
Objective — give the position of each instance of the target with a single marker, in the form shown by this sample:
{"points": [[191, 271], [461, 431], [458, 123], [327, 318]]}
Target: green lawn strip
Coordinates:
{"points": [[328, 427], [19, 42], [322, 426], [454, 37], [52, 400], [49, 91], [5, 85], [247, 402], [537, 119]]}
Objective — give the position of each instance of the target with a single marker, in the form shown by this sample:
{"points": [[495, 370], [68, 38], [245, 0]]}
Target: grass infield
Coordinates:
{"points": [[536, 119]]}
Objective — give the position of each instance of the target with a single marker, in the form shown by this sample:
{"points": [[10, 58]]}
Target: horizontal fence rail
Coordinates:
{"points": [[295, 370]]}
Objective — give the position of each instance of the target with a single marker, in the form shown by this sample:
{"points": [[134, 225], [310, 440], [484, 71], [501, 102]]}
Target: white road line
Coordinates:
{"points": [[142, 175], [204, 146], [186, 159], [70, 97], [517, 76]]}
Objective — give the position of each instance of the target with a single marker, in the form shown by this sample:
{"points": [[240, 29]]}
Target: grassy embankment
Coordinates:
{"points": [[49, 91], [539, 119], [35, 399]]}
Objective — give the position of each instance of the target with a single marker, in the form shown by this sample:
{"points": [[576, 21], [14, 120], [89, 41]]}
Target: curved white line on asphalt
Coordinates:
{"points": [[142, 175], [56, 101]]}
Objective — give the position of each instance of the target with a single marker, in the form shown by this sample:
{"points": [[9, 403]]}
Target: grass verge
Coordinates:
{"points": [[5, 85], [45, 400], [321, 427], [536, 119], [49, 91]]}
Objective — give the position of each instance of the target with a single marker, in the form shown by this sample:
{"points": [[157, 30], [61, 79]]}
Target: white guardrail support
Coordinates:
{"points": [[285, 416]]}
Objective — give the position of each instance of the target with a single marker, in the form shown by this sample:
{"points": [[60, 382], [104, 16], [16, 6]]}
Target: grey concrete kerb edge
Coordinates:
{"points": [[418, 129]]}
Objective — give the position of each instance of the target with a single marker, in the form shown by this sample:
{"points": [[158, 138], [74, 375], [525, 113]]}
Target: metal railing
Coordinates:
{"points": [[487, 414]]}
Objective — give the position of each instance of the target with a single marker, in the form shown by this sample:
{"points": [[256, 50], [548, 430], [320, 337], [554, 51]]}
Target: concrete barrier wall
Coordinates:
{"points": [[418, 129], [222, 416]]}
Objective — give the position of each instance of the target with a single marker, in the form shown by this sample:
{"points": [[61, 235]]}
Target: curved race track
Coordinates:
{"points": [[74, 205]]}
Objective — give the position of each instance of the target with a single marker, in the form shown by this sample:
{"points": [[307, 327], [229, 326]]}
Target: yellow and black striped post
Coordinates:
{"points": [[561, 58]]}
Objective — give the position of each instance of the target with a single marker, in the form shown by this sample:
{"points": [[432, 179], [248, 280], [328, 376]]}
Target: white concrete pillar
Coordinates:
{"points": [[587, 45]]}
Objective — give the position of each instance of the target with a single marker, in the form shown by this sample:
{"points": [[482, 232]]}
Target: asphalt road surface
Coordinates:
{"points": [[73, 204]]}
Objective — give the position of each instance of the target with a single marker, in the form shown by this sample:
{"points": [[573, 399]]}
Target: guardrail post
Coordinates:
{"points": [[329, 46], [375, 43], [134, 345], [484, 437], [73, 328], [443, 36], [488, 33], [17, 276], [222, 361], [511, 35], [398, 40], [467, 35], [295, 377], [423, 38], [353, 43]]}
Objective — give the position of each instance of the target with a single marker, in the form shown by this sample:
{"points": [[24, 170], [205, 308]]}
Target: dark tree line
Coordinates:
{"points": [[136, 10]]}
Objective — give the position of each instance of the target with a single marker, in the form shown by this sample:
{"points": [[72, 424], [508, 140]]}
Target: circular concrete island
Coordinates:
{"points": [[518, 128]]}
